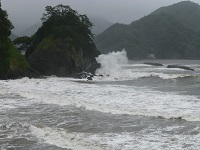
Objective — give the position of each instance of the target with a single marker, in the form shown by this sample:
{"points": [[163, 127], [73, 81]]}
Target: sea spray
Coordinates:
{"points": [[111, 63]]}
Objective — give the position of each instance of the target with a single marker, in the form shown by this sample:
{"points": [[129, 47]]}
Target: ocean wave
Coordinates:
{"points": [[173, 76], [61, 138], [133, 75], [156, 139], [12, 135], [114, 99], [115, 66]]}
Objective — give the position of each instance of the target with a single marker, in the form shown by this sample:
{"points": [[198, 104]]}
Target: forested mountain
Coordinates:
{"points": [[159, 33], [186, 12], [12, 63]]}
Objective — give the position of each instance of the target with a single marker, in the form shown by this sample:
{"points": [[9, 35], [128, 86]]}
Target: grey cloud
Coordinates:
{"points": [[24, 13]]}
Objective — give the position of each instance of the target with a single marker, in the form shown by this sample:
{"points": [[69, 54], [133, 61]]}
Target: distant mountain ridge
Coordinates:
{"points": [[186, 12], [100, 24], [31, 30], [160, 33]]}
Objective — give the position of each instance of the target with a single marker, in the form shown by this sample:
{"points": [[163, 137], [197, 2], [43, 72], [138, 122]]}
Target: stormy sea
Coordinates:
{"points": [[130, 106]]}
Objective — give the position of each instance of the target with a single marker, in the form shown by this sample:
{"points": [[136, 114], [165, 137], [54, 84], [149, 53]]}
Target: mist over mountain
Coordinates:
{"points": [[13, 36], [100, 24], [169, 32], [31, 30]]}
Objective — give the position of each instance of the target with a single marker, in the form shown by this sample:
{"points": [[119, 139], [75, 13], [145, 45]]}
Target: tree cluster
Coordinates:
{"points": [[63, 44], [5, 31], [63, 22]]}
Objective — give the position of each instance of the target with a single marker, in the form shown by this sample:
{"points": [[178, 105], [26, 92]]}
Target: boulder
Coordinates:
{"points": [[153, 64], [181, 67]]}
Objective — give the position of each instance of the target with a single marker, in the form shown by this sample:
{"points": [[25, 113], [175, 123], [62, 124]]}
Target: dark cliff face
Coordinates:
{"points": [[58, 57]]}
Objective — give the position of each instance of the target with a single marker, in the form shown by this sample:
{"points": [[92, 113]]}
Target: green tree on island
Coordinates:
{"points": [[63, 44], [23, 43]]}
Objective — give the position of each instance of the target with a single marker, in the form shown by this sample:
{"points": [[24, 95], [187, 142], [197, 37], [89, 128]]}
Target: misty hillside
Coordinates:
{"points": [[158, 33], [13, 36], [31, 30], [100, 24], [186, 12]]}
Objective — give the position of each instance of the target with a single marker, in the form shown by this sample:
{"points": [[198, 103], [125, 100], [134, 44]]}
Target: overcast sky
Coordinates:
{"points": [[24, 13]]}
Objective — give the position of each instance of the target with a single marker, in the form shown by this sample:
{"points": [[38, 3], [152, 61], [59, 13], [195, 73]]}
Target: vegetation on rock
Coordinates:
{"points": [[11, 60], [23, 43], [5, 27], [63, 44]]}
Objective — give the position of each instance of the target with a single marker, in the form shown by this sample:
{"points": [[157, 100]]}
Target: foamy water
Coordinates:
{"points": [[133, 106], [110, 141], [115, 99]]}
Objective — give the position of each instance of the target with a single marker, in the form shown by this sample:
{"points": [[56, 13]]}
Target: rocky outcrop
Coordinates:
{"points": [[180, 67], [63, 45], [153, 64], [58, 57]]}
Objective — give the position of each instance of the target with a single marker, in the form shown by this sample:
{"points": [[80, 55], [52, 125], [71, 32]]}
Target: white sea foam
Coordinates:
{"points": [[9, 99], [60, 138], [112, 69], [156, 139], [133, 74], [111, 63], [116, 99]]}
